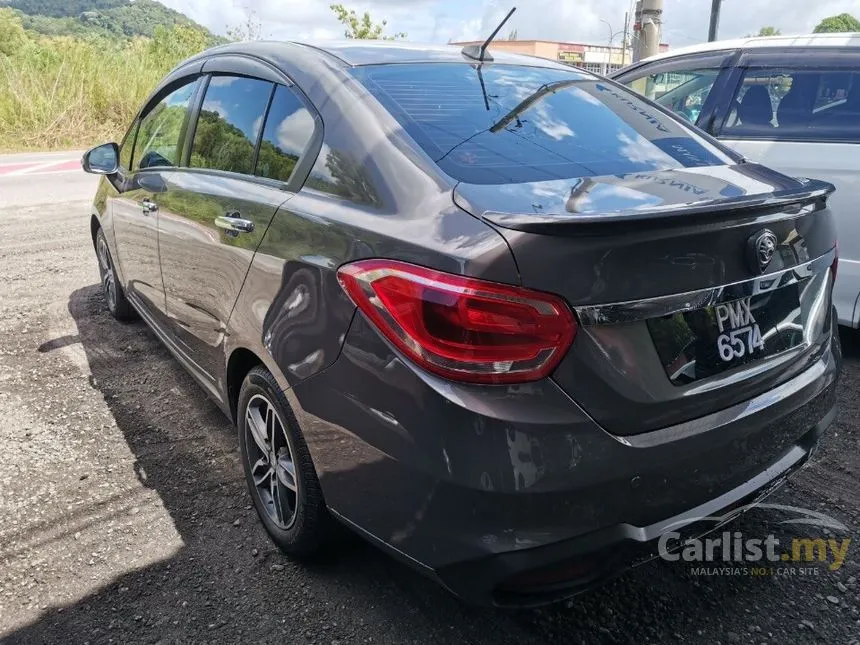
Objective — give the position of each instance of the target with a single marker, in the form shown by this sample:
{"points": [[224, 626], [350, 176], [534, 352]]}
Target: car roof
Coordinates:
{"points": [[375, 52], [763, 42]]}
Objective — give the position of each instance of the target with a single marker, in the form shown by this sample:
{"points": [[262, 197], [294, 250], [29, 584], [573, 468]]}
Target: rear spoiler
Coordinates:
{"points": [[810, 197]]}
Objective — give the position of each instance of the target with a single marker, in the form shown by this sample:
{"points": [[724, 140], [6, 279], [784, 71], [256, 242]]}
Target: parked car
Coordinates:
{"points": [[789, 102], [504, 318]]}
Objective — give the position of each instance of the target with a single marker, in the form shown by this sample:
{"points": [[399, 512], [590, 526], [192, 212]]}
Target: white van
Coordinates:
{"points": [[788, 102]]}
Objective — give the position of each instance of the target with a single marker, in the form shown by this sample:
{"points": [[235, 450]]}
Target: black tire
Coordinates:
{"points": [[117, 304], [308, 526]]}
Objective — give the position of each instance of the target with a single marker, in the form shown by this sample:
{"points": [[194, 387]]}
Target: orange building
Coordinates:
{"points": [[600, 59]]}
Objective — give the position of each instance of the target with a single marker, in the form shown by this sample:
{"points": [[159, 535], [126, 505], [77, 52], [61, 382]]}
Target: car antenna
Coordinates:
{"points": [[483, 88], [476, 52]]}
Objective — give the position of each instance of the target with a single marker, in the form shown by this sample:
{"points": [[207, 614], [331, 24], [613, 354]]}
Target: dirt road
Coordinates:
{"points": [[124, 517]]}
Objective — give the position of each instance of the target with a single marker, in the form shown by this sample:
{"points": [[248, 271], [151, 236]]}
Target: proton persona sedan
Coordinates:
{"points": [[506, 319]]}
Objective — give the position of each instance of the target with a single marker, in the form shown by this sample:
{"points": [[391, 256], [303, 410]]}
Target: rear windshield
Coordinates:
{"points": [[497, 124]]}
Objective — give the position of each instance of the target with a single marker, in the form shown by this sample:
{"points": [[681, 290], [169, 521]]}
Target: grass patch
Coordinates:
{"points": [[66, 92]]}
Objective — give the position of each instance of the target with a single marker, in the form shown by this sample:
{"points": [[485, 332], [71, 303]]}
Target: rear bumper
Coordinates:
{"points": [[477, 486], [541, 575]]}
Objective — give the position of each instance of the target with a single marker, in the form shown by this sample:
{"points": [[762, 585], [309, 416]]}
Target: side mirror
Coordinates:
{"points": [[101, 160]]}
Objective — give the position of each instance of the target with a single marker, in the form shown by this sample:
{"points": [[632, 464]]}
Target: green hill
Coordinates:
{"points": [[106, 18], [74, 72]]}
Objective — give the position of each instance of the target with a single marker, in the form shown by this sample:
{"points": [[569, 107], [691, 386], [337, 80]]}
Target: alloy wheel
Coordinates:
{"points": [[270, 455], [106, 268]]}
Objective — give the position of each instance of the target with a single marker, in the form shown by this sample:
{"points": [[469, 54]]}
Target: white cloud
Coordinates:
{"points": [[685, 26], [685, 21], [222, 81], [293, 131], [322, 169], [217, 107]]}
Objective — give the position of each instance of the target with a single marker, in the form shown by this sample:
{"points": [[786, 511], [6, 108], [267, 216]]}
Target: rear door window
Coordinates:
{"points": [[510, 123], [796, 104], [289, 129], [161, 129], [229, 124]]}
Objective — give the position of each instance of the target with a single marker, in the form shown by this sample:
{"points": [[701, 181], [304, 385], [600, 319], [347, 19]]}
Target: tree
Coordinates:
{"points": [[12, 35], [838, 24], [512, 35], [249, 29], [362, 28], [769, 31], [106, 18], [177, 43]]}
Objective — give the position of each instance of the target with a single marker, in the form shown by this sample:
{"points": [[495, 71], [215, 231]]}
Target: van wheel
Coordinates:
{"points": [[118, 305], [278, 467]]}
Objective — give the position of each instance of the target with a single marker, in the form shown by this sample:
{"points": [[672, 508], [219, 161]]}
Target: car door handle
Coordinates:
{"points": [[232, 222], [148, 206]]}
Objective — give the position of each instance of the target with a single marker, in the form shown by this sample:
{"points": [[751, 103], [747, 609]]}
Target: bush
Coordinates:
{"points": [[66, 92]]}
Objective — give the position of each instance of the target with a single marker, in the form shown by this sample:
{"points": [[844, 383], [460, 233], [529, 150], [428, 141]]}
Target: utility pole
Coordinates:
{"points": [[635, 18], [637, 30], [649, 24], [624, 42], [715, 20]]}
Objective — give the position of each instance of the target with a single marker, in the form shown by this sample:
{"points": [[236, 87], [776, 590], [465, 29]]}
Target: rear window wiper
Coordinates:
{"points": [[525, 104]]}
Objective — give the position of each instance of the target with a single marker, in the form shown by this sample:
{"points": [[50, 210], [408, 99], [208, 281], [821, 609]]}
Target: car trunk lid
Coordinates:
{"points": [[680, 314]]}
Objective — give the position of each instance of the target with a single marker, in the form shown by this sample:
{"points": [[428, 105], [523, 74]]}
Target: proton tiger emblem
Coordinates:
{"points": [[760, 250]]}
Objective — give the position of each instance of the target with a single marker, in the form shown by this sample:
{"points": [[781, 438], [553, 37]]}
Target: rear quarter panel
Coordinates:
{"points": [[292, 308]]}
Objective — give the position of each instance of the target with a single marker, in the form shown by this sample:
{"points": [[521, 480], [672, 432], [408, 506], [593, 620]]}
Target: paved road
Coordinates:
{"points": [[45, 177], [124, 517]]}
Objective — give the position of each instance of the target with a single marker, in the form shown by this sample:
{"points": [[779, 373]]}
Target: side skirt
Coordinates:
{"points": [[203, 379]]}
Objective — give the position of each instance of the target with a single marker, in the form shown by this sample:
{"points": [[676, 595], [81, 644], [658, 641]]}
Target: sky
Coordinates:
{"points": [[685, 22]]}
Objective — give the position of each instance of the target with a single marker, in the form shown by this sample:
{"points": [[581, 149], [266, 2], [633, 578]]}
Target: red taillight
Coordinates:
{"points": [[461, 328]]}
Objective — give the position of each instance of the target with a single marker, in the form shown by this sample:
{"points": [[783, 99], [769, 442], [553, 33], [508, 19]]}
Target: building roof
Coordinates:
{"points": [[759, 42]]}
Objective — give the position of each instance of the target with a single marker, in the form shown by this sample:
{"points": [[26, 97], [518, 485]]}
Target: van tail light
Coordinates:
{"points": [[462, 328]]}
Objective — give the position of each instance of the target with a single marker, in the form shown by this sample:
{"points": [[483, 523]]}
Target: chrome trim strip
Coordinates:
{"points": [[810, 379], [760, 486], [636, 310]]}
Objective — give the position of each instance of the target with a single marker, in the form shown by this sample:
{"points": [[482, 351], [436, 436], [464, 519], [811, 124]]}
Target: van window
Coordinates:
{"points": [[683, 91], [796, 105], [511, 123], [229, 124]]}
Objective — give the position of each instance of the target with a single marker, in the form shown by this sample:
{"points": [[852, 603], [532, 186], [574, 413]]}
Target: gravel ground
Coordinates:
{"points": [[124, 517]]}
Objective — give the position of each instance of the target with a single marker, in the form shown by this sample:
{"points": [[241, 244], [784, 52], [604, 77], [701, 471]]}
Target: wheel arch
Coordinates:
{"points": [[95, 225], [241, 361]]}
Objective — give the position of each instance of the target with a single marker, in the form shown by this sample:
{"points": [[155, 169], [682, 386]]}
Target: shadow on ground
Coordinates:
{"points": [[850, 342], [227, 584]]}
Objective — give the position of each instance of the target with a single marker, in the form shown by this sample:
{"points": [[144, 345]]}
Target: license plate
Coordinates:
{"points": [[740, 334], [703, 342]]}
